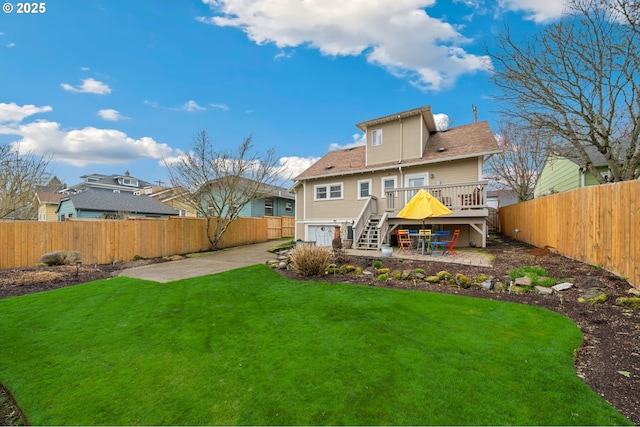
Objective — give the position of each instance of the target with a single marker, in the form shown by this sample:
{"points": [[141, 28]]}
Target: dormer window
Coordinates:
{"points": [[376, 137], [131, 182]]}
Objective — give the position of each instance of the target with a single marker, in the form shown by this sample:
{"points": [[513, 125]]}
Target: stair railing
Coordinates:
{"points": [[370, 208], [383, 228]]}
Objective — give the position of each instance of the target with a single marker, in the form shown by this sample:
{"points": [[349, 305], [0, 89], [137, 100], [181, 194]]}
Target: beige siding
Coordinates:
{"points": [[400, 140], [347, 208]]}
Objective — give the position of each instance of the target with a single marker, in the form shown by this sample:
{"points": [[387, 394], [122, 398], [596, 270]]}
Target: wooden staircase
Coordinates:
{"points": [[370, 238]]}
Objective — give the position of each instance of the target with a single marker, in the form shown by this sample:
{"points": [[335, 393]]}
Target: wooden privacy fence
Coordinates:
{"points": [[599, 225], [107, 241]]}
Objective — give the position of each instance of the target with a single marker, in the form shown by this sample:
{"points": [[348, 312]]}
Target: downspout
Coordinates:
{"points": [[401, 140]]}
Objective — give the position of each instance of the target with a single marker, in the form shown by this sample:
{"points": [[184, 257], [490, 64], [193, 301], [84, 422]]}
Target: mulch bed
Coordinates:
{"points": [[608, 360]]}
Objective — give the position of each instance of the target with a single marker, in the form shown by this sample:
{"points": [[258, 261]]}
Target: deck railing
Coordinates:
{"points": [[468, 195], [369, 208]]}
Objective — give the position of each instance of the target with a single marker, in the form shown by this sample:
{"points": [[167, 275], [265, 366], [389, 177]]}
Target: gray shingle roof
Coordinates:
{"points": [[461, 142], [119, 202]]}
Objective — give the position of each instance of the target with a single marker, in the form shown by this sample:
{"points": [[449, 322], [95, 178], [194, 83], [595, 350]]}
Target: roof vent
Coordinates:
{"points": [[329, 167], [441, 150]]}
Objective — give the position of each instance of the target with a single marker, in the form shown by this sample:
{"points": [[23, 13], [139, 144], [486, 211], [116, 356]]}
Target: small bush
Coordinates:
{"points": [[377, 264], [418, 271], [358, 271], [138, 258], [382, 277], [433, 279], [444, 275], [396, 274], [481, 278], [463, 281], [383, 270], [310, 260]]}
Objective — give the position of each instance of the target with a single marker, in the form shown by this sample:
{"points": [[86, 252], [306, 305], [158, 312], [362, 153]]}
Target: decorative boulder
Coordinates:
{"points": [[61, 258]]}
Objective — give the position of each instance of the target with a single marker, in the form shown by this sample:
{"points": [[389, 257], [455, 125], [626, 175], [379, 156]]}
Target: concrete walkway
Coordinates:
{"points": [[215, 262], [244, 256]]}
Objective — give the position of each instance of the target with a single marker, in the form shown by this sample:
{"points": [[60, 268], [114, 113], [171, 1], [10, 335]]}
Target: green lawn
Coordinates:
{"points": [[251, 347]]}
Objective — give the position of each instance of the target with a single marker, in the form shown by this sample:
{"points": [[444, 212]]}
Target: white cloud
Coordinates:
{"points": [[10, 44], [111, 115], [80, 147], [153, 104], [536, 10], [191, 106], [442, 121], [293, 166], [398, 35], [220, 106], [13, 112], [88, 86], [358, 140]]}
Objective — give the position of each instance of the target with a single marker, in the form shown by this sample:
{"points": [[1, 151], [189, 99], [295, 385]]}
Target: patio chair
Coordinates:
{"points": [[404, 241], [451, 244], [424, 237], [439, 241]]}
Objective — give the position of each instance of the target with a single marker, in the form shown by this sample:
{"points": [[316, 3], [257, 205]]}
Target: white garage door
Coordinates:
{"points": [[321, 234]]}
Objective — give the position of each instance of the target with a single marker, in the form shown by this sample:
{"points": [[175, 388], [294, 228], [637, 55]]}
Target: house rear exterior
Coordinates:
{"points": [[362, 189]]}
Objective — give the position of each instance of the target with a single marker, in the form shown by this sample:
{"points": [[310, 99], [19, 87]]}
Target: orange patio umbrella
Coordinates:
{"points": [[423, 205]]}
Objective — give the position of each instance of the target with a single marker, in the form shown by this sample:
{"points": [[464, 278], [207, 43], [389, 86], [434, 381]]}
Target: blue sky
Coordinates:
{"points": [[109, 86]]}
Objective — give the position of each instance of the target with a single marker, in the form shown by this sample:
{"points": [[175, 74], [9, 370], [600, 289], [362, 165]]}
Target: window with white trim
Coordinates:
{"points": [[328, 192], [376, 137], [364, 188], [388, 183]]}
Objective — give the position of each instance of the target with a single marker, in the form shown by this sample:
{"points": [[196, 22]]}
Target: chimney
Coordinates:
{"points": [[126, 173]]}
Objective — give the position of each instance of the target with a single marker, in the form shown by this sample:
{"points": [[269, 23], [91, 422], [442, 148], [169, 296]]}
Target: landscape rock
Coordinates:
{"points": [[562, 286], [543, 290], [61, 258], [487, 285], [590, 282], [523, 281]]}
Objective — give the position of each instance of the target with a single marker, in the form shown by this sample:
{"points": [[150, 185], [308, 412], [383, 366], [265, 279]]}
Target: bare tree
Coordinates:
{"points": [[519, 164], [20, 174], [221, 183], [579, 81]]}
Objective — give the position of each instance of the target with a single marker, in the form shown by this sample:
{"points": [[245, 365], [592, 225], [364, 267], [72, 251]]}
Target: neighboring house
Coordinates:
{"points": [[108, 183], [498, 198], [47, 203], [100, 204], [174, 197], [274, 200], [47, 198], [362, 189], [563, 172]]}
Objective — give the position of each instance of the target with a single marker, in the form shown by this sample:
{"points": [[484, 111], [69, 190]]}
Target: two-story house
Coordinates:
{"points": [[111, 183], [362, 189], [563, 172]]}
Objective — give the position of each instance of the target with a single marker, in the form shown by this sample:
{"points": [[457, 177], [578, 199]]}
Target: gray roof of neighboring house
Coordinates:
{"points": [[108, 181], [119, 202], [596, 156], [268, 189], [460, 142]]}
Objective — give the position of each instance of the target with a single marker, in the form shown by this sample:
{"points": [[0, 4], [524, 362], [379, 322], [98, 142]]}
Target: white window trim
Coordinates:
{"points": [[328, 189], [387, 178], [362, 181], [375, 138]]}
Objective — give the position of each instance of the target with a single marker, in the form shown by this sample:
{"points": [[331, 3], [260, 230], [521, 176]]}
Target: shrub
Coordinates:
{"points": [[396, 274], [61, 258], [382, 277], [481, 278], [358, 271], [310, 260], [444, 275], [433, 279], [377, 264], [418, 271], [383, 270], [463, 281]]}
